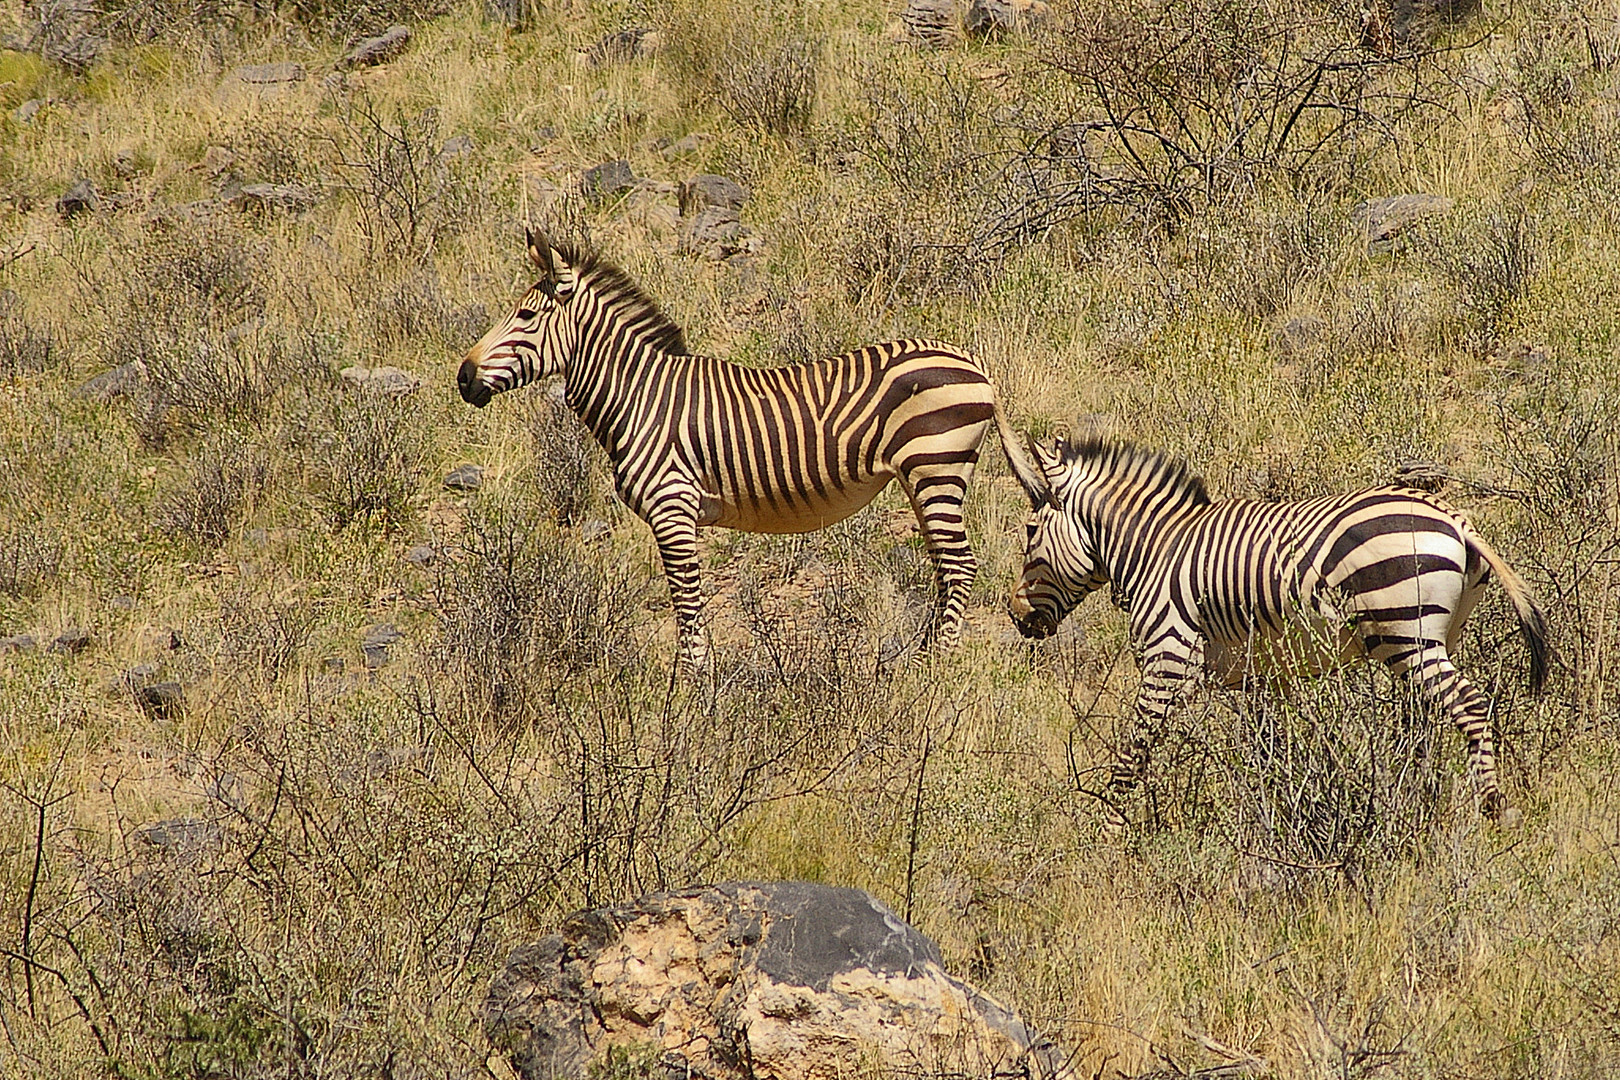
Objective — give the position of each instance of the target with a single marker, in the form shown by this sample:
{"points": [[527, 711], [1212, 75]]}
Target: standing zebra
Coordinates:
{"points": [[1388, 573], [699, 441]]}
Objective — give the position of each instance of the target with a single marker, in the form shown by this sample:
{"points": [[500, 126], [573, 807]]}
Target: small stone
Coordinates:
{"points": [[19, 643], [465, 478], [686, 144], [706, 190], [988, 18], [388, 381], [422, 555], [546, 134], [1384, 219], [126, 165], [291, 197], [334, 665], [594, 531], [181, 834], [71, 642], [378, 50], [376, 644], [1297, 335], [456, 145], [79, 198], [216, 160], [606, 180], [25, 113], [116, 383], [335, 80], [170, 640], [268, 74], [161, 701], [631, 44], [122, 603], [1423, 475]]}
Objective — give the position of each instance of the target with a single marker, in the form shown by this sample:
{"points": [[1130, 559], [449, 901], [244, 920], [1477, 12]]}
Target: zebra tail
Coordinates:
{"points": [[1023, 466], [1532, 619]]}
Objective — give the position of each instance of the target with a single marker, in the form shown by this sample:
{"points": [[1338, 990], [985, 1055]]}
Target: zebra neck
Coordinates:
{"points": [[605, 382], [1129, 537]]}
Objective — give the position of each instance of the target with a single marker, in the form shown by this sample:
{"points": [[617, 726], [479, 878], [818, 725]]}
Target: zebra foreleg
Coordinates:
{"points": [[1166, 676], [674, 526], [936, 498]]}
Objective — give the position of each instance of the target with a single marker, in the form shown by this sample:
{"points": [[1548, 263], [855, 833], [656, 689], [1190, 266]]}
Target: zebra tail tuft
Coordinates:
{"points": [[1532, 619]]}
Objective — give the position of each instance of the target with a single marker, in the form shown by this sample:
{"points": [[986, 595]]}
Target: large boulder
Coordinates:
{"points": [[752, 981]]}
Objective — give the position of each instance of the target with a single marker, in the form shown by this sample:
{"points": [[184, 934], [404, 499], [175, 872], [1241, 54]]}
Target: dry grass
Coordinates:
{"points": [[361, 845]]}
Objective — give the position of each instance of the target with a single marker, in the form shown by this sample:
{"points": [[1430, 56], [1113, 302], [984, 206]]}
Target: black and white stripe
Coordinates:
{"points": [[1238, 586], [698, 441]]}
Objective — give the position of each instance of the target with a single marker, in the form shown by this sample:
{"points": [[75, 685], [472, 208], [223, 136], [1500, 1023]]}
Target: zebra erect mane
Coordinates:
{"points": [[1117, 456], [619, 289]]}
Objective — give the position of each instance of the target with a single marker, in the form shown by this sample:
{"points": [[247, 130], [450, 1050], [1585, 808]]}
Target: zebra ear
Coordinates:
{"points": [[1031, 476], [562, 276], [539, 249]]}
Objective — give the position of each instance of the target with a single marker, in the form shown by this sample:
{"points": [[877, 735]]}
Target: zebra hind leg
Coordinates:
{"points": [[674, 527], [936, 497], [1440, 684]]}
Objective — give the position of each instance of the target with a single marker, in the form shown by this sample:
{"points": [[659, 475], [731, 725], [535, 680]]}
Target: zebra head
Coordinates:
{"points": [[535, 341], [1061, 563]]}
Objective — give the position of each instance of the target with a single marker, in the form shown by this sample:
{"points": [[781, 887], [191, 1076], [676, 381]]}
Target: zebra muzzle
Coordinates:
{"points": [[473, 390], [1036, 624]]}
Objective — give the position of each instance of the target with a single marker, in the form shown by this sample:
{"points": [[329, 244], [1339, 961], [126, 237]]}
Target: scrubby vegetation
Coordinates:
{"points": [[416, 724]]}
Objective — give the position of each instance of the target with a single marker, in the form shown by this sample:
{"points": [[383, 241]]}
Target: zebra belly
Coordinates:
{"points": [[801, 514], [1312, 646]]}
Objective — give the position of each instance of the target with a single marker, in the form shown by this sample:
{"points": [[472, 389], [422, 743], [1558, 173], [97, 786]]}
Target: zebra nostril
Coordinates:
{"points": [[473, 392]]}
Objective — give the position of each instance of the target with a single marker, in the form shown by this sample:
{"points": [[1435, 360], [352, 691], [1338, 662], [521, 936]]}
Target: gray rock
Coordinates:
{"points": [[292, 197], [161, 701], [593, 531], [71, 642], [378, 50], [455, 146], [181, 835], [706, 190], [421, 555], [334, 665], [116, 383], [789, 980], [465, 478], [932, 22], [25, 113], [122, 603], [606, 180], [388, 381], [82, 196], [20, 643], [269, 74], [1385, 219]]}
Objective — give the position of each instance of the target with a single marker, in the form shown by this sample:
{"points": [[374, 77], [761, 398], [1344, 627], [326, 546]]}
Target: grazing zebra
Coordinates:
{"points": [[699, 441], [1226, 588]]}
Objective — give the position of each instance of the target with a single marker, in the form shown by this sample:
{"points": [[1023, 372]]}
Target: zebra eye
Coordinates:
{"points": [[525, 314]]}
